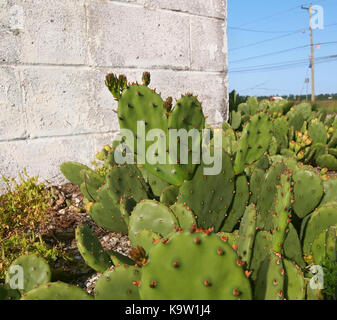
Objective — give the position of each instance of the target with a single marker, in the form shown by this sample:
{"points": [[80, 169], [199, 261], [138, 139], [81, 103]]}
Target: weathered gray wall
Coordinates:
{"points": [[54, 55]]}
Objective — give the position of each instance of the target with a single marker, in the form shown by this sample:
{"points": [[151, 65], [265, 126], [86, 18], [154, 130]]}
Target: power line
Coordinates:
{"points": [[264, 41], [283, 65], [273, 15], [258, 31], [269, 16], [281, 51], [274, 32]]}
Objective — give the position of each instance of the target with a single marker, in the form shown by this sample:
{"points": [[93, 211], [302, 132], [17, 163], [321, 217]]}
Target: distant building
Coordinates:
{"points": [[276, 98]]}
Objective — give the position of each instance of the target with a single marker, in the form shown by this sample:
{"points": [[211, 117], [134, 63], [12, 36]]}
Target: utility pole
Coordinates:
{"points": [[312, 58]]}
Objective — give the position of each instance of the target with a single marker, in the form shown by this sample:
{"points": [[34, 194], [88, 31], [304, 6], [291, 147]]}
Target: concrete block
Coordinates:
{"points": [[43, 31], [12, 113], [43, 157], [131, 36], [208, 44], [64, 101]]}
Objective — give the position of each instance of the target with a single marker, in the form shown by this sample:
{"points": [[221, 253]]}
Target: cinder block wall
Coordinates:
{"points": [[54, 55]]}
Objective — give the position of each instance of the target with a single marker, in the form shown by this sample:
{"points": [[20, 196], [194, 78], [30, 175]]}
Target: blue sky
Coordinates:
{"points": [[285, 20]]}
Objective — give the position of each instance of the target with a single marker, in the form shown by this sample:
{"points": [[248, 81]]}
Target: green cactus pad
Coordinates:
{"points": [[173, 274], [169, 195], [157, 185], [247, 234], [280, 131], [241, 200], [106, 214], [255, 184], [318, 133], [92, 181], [139, 103], [295, 120], [119, 259], [236, 119], [126, 181], [295, 283], [91, 249], [72, 171], [282, 212], [209, 196], [262, 247], [126, 205], [145, 239], [36, 271], [154, 216], [265, 203], [254, 141], [184, 216], [331, 245], [292, 248], [57, 291], [318, 248], [327, 161], [308, 192], [119, 284], [187, 114], [270, 280], [231, 238], [320, 220]]}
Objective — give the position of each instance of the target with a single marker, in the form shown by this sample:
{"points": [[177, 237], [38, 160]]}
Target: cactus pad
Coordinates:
{"points": [[36, 271], [57, 291], [173, 274], [154, 216], [91, 249], [308, 192], [118, 284]]}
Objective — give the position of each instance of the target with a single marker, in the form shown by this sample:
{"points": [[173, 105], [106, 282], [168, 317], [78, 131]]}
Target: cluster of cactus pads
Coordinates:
{"points": [[250, 232], [298, 131]]}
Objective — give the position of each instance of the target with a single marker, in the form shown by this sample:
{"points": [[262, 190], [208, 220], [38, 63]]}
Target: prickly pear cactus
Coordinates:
{"points": [[308, 191], [119, 259], [238, 207], [145, 239], [327, 161], [126, 181], [106, 214], [282, 212], [173, 274], [91, 249], [292, 247], [169, 195], [265, 202], [119, 284], [254, 141], [320, 220], [184, 215], [295, 286], [247, 234], [141, 107], [36, 271], [270, 279], [92, 181], [262, 247], [154, 216], [209, 196], [72, 171], [57, 291]]}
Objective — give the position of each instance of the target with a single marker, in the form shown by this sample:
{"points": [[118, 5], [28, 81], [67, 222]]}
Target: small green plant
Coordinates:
{"points": [[23, 206], [330, 279], [22, 209]]}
